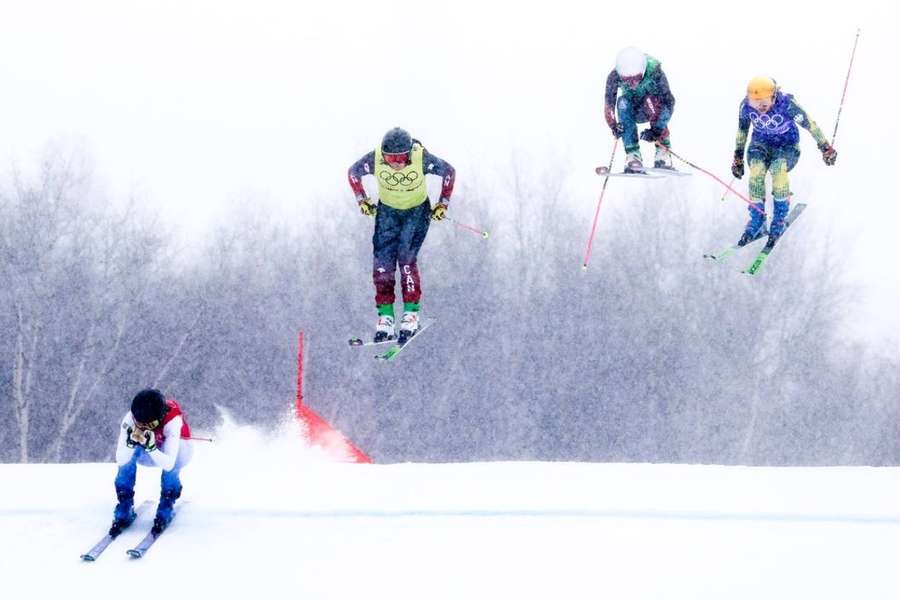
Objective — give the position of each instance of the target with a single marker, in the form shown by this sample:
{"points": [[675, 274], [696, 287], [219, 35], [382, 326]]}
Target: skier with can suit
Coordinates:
{"points": [[645, 98], [153, 433], [402, 215], [774, 149]]}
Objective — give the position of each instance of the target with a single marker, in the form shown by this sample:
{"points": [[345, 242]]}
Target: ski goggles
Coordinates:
{"points": [[762, 104], [147, 426], [396, 158]]}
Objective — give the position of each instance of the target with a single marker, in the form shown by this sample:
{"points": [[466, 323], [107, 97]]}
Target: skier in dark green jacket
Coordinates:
{"points": [[645, 98]]}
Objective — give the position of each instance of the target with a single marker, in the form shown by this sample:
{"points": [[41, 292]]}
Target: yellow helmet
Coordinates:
{"points": [[761, 88]]}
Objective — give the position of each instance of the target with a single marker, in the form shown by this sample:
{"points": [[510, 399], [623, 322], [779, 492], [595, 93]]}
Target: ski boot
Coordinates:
{"points": [[123, 515], [663, 159], [756, 226], [384, 329], [779, 214], [634, 163], [409, 325], [165, 511]]}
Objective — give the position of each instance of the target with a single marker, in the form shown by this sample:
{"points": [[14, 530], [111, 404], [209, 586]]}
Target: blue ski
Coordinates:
{"points": [[141, 549], [95, 552]]}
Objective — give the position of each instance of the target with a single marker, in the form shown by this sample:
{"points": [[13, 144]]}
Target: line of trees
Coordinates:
{"points": [[650, 356]]}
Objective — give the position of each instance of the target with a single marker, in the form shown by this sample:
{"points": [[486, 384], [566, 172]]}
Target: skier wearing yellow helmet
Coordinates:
{"points": [[774, 148]]}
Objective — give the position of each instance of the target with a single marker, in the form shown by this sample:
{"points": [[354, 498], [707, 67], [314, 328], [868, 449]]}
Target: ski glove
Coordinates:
{"points": [[737, 166], [140, 437], [439, 212], [829, 154], [651, 135], [367, 207], [149, 440], [133, 437], [617, 130]]}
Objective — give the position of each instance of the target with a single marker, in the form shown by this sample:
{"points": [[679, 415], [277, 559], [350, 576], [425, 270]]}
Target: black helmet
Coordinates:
{"points": [[396, 141], [148, 405]]}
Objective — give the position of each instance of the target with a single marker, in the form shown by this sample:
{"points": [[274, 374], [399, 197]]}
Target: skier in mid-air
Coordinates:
{"points": [[154, 433], [774, 148], [402, 215], [645, 98]]}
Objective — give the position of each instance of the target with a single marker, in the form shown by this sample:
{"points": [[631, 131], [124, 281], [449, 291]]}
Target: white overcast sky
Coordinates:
{"points": [[193, 105]]}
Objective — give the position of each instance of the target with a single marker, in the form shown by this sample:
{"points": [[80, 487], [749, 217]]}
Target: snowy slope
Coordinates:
{"points": [[267, 517]]}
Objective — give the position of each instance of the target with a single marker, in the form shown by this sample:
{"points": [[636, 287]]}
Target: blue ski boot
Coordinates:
{"points": [[123, 515], [165, 511], [756, 226], [779, 214]]}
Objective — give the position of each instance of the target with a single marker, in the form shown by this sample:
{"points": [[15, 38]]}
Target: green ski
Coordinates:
{"points": [[760, 259], [394, 350]]}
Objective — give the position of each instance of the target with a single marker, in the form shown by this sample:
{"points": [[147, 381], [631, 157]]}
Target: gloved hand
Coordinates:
{"points": [[140, 437], [737, 166], [133, 437], [829, 154], [149, 440], [439, 212], [367, 207], [651, 135], [617, 130]]}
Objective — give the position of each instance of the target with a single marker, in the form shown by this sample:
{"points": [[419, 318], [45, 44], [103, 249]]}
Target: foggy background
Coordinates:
{"points": [[175, 208]]}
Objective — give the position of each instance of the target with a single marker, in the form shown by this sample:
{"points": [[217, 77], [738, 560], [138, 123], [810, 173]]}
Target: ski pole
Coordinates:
{"points": [[590, 244], [702, 170], [846, 82], [480, 232], [200, 439]]}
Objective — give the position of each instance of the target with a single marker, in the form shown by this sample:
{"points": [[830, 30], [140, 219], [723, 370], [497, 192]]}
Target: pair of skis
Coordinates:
{"points": [[760, 259], [395, 347], [647, 173], [136, 552]]}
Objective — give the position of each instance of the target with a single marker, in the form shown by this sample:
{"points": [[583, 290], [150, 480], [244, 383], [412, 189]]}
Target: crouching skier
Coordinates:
{"points": [[154, 433]]}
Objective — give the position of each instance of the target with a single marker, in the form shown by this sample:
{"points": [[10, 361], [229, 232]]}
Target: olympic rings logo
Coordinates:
{"points": [[399, 178], [771, 123]]}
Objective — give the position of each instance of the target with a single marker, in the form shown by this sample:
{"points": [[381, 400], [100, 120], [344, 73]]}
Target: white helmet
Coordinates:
{"points": [[630, 62]]}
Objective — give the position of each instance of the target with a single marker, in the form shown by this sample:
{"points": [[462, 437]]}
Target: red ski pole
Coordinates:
{"points": [[846, 82], [590, 243], [480, 232]]}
